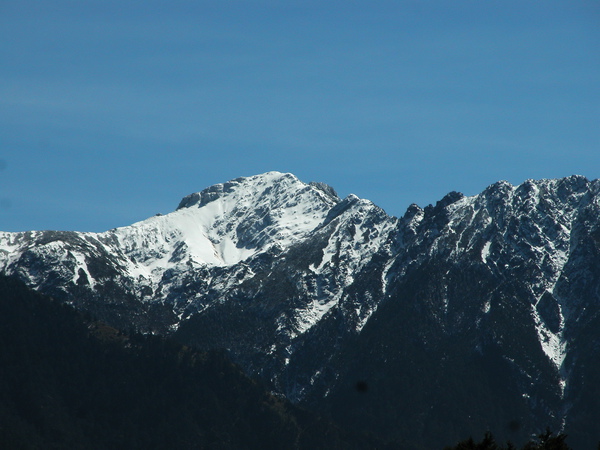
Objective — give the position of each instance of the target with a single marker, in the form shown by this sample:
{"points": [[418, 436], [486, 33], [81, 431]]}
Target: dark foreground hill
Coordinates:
{"points": [[71, 383]]}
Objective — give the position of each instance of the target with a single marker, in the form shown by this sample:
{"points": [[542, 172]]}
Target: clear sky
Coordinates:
{"points": [[112, 110]]}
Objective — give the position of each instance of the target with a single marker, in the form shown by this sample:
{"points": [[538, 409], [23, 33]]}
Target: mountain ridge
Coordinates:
{"points": [[291, 280]]}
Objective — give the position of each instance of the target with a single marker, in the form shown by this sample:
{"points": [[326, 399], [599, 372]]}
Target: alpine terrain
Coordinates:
{"points": [[477, 313]]}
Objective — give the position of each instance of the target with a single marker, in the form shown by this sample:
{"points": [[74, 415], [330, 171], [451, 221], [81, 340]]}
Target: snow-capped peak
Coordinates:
{"points": [[229, 222]]}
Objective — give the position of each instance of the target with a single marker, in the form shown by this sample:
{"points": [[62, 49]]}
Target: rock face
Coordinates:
{"points": [[477, 313]]}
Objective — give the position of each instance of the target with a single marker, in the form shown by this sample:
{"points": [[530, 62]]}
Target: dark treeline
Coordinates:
{"points": [[544, 441]]}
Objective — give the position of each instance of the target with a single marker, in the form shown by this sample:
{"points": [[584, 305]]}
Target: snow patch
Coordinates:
{"points": [[307, 317], [485, 251], [81, 264], [487, 306], [553, 344]]}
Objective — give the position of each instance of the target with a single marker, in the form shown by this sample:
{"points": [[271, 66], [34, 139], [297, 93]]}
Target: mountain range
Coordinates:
{"points": [[476, 313]]}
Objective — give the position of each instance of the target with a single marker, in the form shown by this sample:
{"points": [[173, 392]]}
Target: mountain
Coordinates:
{"points": [[68, 382], [472, 314]]}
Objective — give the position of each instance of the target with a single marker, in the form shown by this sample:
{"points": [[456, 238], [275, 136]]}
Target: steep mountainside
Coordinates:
{"points": [[479, 312], [70, 383]]}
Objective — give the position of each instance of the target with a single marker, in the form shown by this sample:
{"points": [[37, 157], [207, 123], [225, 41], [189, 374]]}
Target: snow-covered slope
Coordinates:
{"points": [[220, 226], [225, 224]]}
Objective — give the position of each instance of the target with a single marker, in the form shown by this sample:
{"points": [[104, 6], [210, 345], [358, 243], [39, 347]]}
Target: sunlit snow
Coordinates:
{"points": [[211, 233]]}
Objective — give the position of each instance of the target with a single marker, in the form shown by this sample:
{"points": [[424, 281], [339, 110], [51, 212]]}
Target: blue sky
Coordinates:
{"points": [[111, 111]]}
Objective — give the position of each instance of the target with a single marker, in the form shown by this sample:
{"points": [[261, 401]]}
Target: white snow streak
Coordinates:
{"points": [[485, 251], [553, 344]]}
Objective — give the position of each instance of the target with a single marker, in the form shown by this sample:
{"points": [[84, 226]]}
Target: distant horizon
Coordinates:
{"points": [[113, 111]]}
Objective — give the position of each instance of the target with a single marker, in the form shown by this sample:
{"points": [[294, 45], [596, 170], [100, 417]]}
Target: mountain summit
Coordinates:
{"points": [[474, 313], [245, 216]]}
